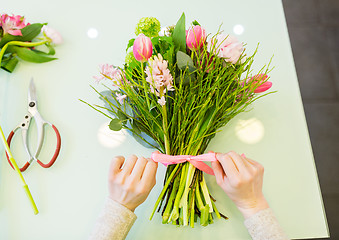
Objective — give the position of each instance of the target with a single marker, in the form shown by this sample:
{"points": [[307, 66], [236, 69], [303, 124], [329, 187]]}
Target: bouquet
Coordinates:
{"points": [[18, 40], [173, 94]]}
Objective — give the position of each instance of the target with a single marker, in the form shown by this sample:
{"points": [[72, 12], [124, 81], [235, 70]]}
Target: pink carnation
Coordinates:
{"points": [[226, 47], [12, 24]]}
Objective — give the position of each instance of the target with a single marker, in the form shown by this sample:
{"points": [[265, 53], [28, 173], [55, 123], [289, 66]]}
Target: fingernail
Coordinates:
{"points": [[243, 155]]}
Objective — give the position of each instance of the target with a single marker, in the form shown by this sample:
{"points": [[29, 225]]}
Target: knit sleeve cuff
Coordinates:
{"points": [[114, 222], [263, 225]]}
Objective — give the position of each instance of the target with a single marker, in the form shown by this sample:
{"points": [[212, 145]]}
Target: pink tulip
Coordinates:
{"points": [[195, 37], [263, 87], [257, 79], [142, 48], [12, 24]]}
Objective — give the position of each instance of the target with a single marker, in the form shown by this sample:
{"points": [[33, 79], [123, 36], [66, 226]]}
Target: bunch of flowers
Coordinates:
{"points": [[173, 94], [18, 40]]}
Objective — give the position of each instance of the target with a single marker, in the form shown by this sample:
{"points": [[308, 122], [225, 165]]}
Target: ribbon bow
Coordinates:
{"points": [[196, 161]]}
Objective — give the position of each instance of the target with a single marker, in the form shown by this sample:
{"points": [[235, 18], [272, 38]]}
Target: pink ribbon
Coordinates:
{"points": [[196, 161]]}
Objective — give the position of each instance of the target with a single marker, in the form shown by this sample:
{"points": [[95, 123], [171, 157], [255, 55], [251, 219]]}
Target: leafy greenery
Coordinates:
{"points": [[179, 34], [22, 47]]}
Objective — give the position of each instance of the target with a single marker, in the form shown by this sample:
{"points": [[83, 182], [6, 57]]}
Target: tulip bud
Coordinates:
{"points": [[195, 37], [142, 48], [261, 87]]}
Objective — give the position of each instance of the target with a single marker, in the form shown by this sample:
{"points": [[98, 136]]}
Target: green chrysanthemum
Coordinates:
{"points": [[149, 26]]}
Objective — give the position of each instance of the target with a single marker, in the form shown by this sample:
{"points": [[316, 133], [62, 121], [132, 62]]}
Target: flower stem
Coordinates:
{"points": [[206, 194], [184, 198], [168, 209], [144, 83], [165, 125], [175, 212], [20, 44], [164, 190]]}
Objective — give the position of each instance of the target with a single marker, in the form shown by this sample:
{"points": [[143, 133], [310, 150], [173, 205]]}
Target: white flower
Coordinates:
{"points": [[162, 101], [120, 98], [52, 34]]}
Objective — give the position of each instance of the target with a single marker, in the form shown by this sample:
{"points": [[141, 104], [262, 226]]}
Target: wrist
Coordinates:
{"points": [[254, 207], [123, 204]]}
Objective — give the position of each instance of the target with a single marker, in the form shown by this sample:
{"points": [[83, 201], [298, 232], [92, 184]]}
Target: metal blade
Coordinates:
{"points": [[32, 92]]}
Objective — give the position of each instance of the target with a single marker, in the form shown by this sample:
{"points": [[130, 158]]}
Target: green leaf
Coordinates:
{"points": [[183, 60], [51, 50], [179, 34], [195, 23], [31, 56], [115, 124], [130, 43], [28, 34], [10, 64], [121, 115], [135, 127]]}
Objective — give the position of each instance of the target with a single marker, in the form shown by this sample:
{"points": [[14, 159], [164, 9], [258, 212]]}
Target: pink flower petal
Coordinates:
{"points": [[263, 87], [15, 32]]}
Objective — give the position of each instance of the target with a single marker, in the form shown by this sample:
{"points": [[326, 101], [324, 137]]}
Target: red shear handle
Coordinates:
{"points": [[57, 150], [9, 139]]}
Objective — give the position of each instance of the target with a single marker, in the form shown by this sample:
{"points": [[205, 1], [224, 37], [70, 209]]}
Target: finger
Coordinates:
{"points": [[228, 165], [129, 165], [255, 164], [139, 168], [238, 162], [218, 172], [148, 177], [116, 164]]}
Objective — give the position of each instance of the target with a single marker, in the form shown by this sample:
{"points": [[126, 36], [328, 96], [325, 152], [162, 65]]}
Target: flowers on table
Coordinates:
{"points": [[12, 24], [19, 40], [173, 93]]}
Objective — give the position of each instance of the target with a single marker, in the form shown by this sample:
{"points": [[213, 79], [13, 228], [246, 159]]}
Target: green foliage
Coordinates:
{"points": [[115, 124], [14, 48], [130, 43], [9, 63], [195, 23], [165, 46], [149, 26], [184, 61], [28, 34], [179, 34], [30, 55]]}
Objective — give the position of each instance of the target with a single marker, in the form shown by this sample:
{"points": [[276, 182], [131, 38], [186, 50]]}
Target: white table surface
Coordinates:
{"points": [[71, 193]]}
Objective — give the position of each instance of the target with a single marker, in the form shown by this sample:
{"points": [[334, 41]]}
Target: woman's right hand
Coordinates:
{"points": [[241, 178]]}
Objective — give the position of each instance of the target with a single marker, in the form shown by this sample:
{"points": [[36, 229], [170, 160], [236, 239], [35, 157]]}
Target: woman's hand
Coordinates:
{"points": [[241, 178], [131, 181]]}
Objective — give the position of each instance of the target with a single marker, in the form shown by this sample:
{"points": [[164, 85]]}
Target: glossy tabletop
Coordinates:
{"points": [[70, 194]]}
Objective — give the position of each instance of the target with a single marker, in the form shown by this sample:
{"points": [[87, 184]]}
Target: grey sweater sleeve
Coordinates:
{"points": [[114, 222], [264, 226]]}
